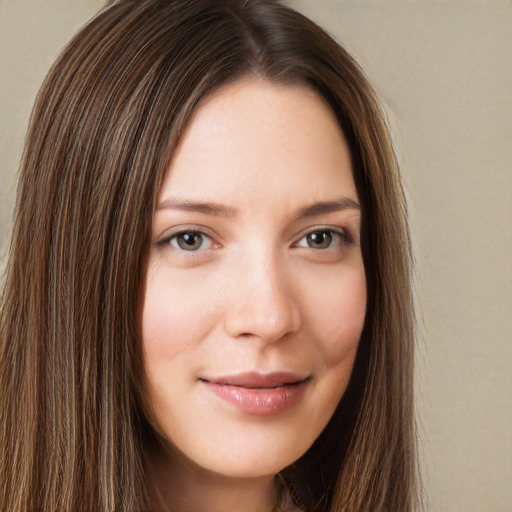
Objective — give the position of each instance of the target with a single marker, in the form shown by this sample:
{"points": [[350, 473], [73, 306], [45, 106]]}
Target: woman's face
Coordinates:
{"points": [[255, 294]]}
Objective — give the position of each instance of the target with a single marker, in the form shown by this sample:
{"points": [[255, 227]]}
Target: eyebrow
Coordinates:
{"points": [[220, 210], [321, 208], [209, 208]]}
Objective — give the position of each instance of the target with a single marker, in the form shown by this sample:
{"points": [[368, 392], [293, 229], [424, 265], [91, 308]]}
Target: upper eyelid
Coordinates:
{"points": [[335, 229], [184, 228]]}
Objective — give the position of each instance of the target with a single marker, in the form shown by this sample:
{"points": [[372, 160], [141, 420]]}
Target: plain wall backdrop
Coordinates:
{"points": [[443, 70]]}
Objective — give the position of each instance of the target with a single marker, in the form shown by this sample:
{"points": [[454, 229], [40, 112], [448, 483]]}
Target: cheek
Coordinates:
{"points": [[335, 319], [337, 316], [175, 315], [176, 318]]}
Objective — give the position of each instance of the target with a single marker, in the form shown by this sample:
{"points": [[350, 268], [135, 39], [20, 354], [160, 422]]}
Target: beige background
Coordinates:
{"points": [[443, 69]]}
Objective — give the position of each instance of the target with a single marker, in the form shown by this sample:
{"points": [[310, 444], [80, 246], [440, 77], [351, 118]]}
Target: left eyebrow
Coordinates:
{"points": [[209, 208], [344, 203]]}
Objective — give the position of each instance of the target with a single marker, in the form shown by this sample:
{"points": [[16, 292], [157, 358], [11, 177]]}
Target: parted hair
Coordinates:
{"points": [[106, 123]]}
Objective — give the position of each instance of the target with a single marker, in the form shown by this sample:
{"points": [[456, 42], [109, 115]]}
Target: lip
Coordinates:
{"points": [[259, 394]]}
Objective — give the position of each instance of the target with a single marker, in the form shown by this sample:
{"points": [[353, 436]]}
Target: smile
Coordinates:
{"points": [[259, 394]]}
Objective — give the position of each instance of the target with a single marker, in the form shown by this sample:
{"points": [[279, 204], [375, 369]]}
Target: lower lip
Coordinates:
{"points": [[259, 401]]}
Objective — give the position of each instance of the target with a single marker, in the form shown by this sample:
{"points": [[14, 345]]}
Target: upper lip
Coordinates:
{"points": [[255, 380]]}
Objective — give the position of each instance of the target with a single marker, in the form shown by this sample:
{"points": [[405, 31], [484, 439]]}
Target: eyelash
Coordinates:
{"points": [[337, 237]]}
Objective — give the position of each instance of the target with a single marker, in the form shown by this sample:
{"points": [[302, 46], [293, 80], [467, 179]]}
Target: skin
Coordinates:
{"points": [[255, 293]]}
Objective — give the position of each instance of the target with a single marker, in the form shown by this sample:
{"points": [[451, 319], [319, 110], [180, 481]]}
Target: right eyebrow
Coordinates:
{"points": [[323, 207], [209, 208]]}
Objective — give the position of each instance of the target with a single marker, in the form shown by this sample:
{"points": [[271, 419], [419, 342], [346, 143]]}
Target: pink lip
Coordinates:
{"points": [[259, 394]]}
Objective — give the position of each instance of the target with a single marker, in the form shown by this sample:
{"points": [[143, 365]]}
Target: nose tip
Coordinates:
{"points": [[263, 308]]}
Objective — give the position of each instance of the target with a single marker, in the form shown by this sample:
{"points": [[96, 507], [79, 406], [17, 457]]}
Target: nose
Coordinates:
{"points": [[262, 304]]}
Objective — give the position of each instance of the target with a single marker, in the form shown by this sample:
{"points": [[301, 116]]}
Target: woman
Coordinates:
{"points": [[208, 303]]}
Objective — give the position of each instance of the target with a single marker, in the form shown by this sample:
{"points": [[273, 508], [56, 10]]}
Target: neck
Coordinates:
{"points": [[178, 485]]}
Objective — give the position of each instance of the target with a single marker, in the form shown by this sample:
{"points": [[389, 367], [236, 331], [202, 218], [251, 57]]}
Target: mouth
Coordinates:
{"points": [[259, 394], [256, 380]]}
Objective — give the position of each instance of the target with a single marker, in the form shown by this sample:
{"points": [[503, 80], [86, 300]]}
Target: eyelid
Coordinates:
{"points": [[184, 228]]}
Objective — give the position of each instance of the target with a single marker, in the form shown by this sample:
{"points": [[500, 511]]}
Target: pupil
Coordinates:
{"points": [[320, 239]]}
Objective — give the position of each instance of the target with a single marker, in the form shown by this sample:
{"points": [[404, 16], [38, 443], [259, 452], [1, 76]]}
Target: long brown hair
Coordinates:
{"points": [[103, 131]]}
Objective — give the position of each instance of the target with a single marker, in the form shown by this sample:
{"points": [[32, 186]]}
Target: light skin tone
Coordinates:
{"points": [[255, 269]]}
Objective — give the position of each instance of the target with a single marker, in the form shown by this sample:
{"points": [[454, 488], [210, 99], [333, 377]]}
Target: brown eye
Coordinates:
{"points": [[190, 241], [319, 239], [322, 239]]}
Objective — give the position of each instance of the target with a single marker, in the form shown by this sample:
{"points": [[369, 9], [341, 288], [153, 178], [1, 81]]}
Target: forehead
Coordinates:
{"points": [[258, 140]]}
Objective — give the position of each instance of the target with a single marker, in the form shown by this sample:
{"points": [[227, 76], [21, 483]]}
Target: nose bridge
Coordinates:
{"points": [[262, 303]]}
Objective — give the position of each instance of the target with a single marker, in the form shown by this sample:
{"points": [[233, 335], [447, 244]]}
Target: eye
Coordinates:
{"points": [[190, 241], [321, 239]]}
